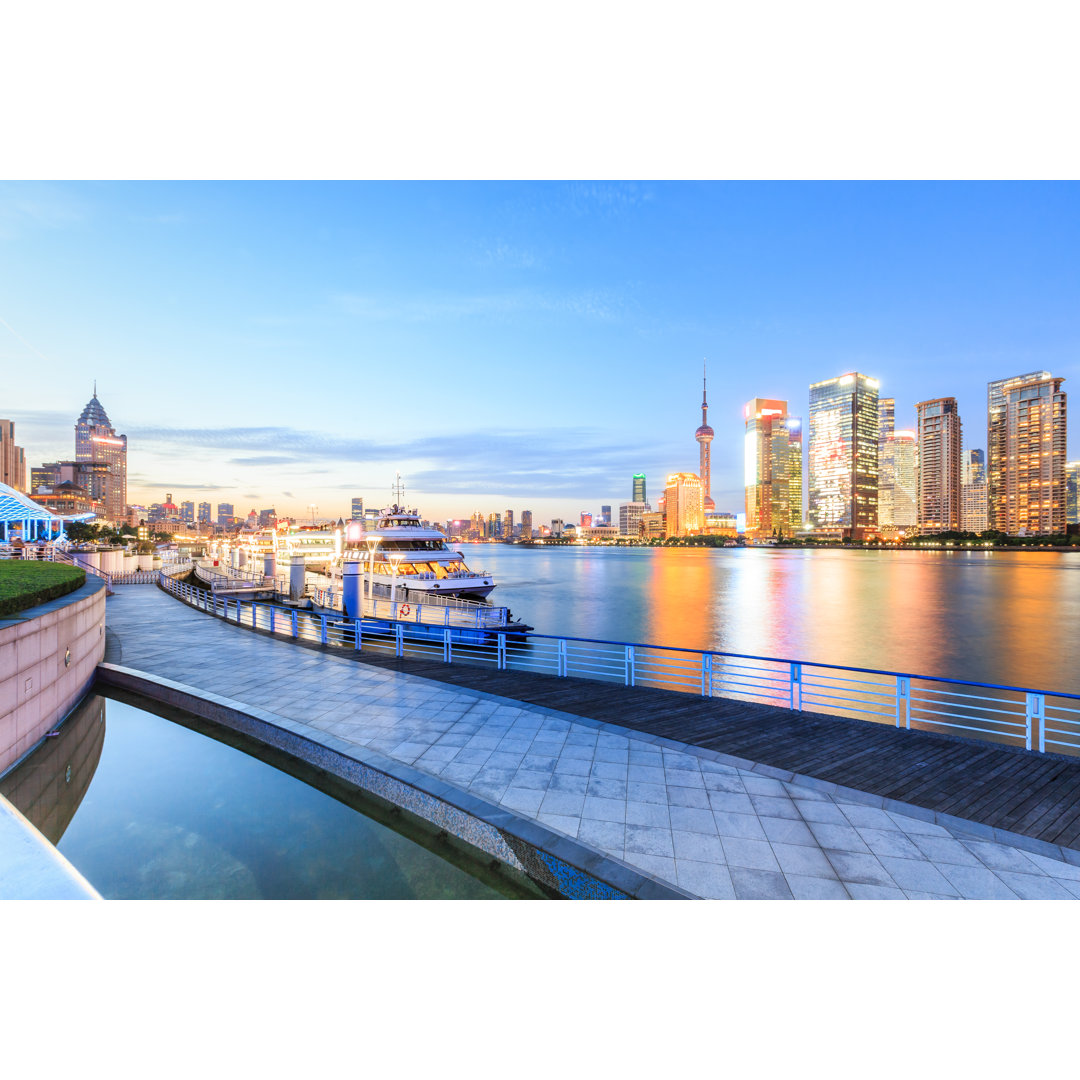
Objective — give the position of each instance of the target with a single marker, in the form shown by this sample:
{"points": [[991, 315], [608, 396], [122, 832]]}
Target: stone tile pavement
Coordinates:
{"points": [[682, 814]]}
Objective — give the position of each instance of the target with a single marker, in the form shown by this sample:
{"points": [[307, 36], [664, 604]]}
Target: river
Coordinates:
{"points": [[1010, 617]]}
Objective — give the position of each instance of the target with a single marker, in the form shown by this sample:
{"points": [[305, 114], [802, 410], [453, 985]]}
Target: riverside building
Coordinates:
{"points": [[772, 469], [1072, 494], [526, 525], [997, 443], [704, 436], [938, 503], [843, 456], [630, 515], [683, 510], [897, 481], [638, 494], [12, 458], [1030, 469], [97, 440]]}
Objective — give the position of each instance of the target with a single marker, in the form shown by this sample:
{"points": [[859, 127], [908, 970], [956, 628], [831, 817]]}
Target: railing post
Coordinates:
{"points": [[446, 647], [1034, 713], [796, 687], [629, 666], [271, 618], [903, 701], [562, 657], [356, 627], [295, 624], [399, 640], [706, 675], [501, 653], [322, 630]]}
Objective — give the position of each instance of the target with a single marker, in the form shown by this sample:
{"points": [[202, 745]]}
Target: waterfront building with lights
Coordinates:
{"points": [[630, 515], [1072, 492], [1030, 439], [683, 510], [526, 524], [12, 458], [897, 481], [357, 511], [940, 439], [97, 440], [843, 456], [997, 443], [638, 493], [772, 469]]}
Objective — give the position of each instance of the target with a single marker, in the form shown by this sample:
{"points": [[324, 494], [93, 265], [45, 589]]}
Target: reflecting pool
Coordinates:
{"points": [[146, 805]]}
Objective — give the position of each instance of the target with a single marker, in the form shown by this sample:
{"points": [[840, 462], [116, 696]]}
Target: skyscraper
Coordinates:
{"points": [[630, 515], [897, 481], [1031, 470], [1072, 492], [996, 452], [204, 512], [772, 469], [187, 511], [357, 512], [605, 514], [977, 467], [843, 455], [938, 503], [683, 498], [12, 458], [704, 436], [508, 523], [225, 513], [638, 495], [96, 440], [526, 524]]}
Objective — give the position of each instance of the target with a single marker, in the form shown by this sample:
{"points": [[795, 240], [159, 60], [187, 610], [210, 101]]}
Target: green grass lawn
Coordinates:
{"points": [[24, 584]]}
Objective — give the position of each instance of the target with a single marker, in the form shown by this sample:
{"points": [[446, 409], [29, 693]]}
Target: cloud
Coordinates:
{"points": [[592, 304], [266, 459], [507, 256], [138, 480], [43, 206]]}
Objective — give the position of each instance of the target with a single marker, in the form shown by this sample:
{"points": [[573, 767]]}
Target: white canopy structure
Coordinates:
{"points": [[32, 523]]}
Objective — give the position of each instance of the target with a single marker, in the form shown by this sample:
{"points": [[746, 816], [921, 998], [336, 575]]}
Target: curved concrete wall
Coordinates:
{"points": [[47, 659]]}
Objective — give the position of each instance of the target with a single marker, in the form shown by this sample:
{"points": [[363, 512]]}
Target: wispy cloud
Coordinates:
{"points": [[506, 256], [589, 304], [43, 206]]}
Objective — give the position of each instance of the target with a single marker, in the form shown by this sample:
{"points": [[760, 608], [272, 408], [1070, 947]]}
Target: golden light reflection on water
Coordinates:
{"points": [[1000, 617]]}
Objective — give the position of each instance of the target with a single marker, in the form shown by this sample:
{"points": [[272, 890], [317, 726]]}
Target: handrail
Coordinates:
{"points": [[1035, 719]]}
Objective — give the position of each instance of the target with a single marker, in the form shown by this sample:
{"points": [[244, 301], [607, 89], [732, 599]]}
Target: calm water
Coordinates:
{"points": [[1009, 618], [148, 809]]}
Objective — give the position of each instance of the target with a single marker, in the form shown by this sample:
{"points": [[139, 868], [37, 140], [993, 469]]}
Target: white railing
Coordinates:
{"points": [[479, 616], [1041, 720]]}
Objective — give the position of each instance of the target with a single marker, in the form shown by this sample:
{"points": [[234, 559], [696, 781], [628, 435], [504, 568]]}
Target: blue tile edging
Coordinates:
{"points": [[566, 866]]}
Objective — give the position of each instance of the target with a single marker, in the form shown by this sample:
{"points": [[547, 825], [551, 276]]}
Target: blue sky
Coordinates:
{"points": [[506, 345]]}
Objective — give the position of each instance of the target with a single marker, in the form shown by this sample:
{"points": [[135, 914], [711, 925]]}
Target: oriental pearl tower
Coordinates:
{"points": [[704, 436]]}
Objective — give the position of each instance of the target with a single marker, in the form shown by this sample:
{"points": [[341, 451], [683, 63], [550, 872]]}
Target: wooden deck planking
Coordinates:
{"points": [[1012, 789]]}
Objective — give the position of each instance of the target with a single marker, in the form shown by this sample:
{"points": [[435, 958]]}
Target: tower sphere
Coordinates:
{"points": [[703, 433]]}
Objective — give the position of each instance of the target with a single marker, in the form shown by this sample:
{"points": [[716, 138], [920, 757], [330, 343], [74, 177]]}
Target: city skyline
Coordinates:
{"points": [[573, 329]]}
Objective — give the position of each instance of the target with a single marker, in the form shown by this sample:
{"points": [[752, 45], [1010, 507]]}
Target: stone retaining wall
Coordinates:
{"points": [[47, 659]]}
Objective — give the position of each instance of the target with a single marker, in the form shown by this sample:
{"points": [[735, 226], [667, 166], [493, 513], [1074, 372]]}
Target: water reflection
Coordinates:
{"points": [[1001, 617], [150, 809]]}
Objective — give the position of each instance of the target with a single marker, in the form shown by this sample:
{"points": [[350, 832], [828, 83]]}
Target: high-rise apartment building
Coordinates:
{"points": [[605, 515], [684, 514], [557, 526], [204, 513], [508, 523], [996, 443], [187, 511], [357, 512], [638, 494], [772, 469], [843, 455], [897, 481], [1031, 467], [973, 507], [1072, 492], [225, 513], [526, 524], [586, 519], [12, 458], [938, 503], [97, 440], [704, 436], [630, 515]]}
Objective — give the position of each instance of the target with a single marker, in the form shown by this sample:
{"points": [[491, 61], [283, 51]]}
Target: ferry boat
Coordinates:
{"points": [[403, 560]]}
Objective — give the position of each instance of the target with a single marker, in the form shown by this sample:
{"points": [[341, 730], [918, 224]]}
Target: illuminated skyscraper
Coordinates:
{"points": [[843, 455], [897, 481], [996, 451], [1072, 492], [704, 436], [938, 503], [357, 512], [95, 440], [526, 524], [630, 515], [605, 513], [638, 495], [12, 458], [1031, 479], [187, 511], [772, 469], [977, 467], [683, 496], [204, 512], [508, 523]]}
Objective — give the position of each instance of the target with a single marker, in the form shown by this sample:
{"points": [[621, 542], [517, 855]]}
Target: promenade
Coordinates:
{"points": [[685, 815]]}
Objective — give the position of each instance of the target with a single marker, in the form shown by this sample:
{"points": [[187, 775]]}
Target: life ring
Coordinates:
{"points": [[403, 611]]}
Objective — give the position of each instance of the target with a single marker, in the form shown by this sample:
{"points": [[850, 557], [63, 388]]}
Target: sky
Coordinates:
{"points": [[505, 345]]}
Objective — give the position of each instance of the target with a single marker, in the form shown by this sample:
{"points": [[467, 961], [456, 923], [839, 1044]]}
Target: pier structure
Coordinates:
{"points": [[652, 790]]}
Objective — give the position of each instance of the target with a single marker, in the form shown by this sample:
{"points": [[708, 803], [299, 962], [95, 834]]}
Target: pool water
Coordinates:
{"points": [[147, 805]]}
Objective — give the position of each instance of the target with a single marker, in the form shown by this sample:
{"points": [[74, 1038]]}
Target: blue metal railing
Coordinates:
{"points": [[1046, 721]]}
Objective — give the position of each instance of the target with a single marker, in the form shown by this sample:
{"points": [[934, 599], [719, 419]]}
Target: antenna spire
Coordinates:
{"points": [[95, 388]]}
